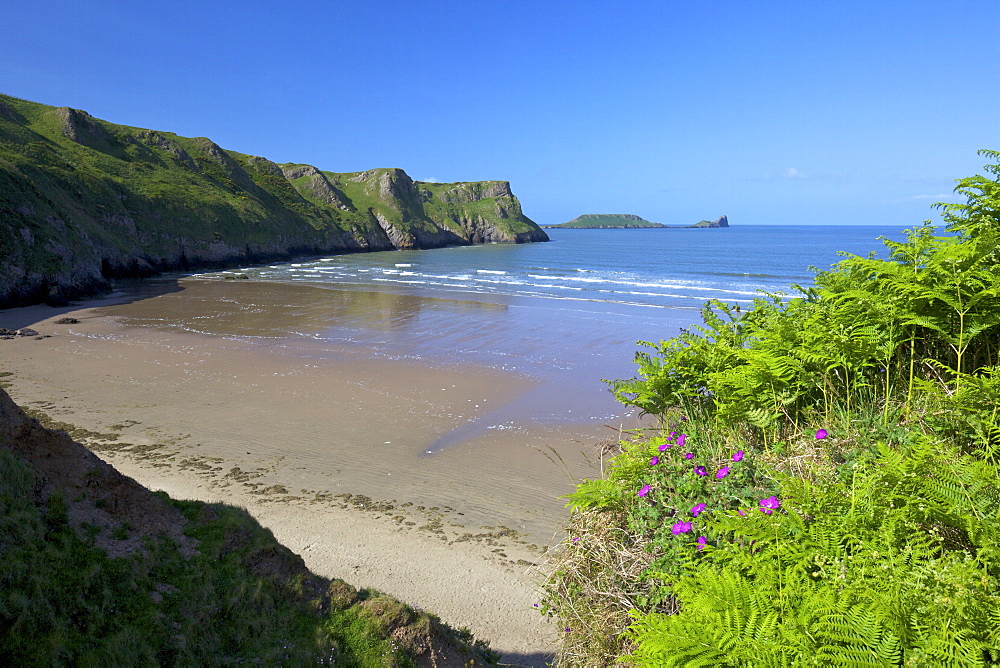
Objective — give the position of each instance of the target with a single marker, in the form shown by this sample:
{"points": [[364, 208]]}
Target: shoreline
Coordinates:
{"points": [[461, 533]]}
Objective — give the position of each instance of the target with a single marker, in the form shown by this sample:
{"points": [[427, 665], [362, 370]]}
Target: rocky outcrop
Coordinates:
{"points": [[84, 202], [464, 193], [80, 127], [314, 185], [721, 221], [480, 212], [156, 140]]}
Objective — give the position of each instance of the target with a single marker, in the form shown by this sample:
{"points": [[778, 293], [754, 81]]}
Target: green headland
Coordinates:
{"points": [[622, 221], [83, 201]]}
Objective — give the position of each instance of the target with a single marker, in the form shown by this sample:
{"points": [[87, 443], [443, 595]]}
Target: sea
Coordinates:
{"points": [[653, 268], [568, 313]]}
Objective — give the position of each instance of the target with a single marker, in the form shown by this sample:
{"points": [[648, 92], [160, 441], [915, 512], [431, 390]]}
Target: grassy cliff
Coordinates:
{"points": [[83, 201]]}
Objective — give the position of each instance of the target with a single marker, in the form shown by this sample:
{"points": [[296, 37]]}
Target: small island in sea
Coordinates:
{"points": [[621, 221]]}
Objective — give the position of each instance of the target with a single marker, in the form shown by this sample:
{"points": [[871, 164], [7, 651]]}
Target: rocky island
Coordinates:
{"points": [[622, 221], [83, 201]]}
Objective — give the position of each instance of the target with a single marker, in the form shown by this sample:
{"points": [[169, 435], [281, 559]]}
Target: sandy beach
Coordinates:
{"points": [[334, 453]]}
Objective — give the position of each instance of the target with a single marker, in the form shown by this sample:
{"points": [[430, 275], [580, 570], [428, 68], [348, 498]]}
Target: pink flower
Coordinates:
{"points": [[681, 439], [821, 434], [680, 527], [738, 457], [700, 470], [742, 514], [644, 491], [697, 509], [769, 505], [689, 455], [654, 461], [665, 446], [722, 473], [702, 542]]}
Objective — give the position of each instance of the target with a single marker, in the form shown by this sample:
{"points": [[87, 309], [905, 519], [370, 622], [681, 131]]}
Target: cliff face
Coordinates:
{"points": [[83, 201]]}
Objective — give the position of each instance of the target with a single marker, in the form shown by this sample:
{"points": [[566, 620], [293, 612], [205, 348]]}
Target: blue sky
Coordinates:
{"points": [[770, 112]]}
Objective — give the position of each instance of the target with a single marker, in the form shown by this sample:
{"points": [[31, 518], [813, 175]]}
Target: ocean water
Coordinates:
{"points": [[566, 314], [647, 267]]}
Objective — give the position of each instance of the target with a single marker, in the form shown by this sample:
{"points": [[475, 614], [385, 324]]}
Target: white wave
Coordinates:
{"points": [[465, 286], [557, 287], [643, 294], [403, 264], [569, 278], [396, 280], [496, 282], [489, 271], [667, 286]]}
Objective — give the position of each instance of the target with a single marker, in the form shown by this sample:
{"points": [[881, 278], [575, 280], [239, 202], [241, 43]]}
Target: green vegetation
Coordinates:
{"points": [[823, 488], [601, 221], [83, 200], [607, 220], [242, 598]]}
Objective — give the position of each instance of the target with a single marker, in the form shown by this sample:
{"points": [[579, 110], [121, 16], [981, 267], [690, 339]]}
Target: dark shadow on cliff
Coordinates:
{"points": [[536, 660], [123, 292]]}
